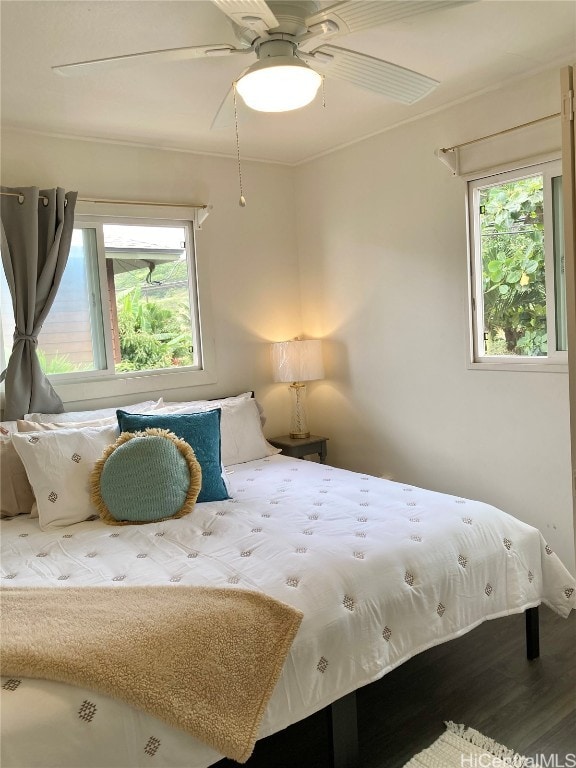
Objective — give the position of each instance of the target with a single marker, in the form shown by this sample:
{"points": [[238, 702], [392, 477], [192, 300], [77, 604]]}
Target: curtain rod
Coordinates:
{"points": [[115, 202], [21, 197], [141, 202], [500, 133]]}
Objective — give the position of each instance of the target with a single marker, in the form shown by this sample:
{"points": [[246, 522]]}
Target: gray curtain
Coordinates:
{"points": [[36, 234]]}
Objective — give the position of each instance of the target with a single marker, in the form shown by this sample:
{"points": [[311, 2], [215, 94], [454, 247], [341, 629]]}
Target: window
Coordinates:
{"points": [[127, 307], [517, 268]]}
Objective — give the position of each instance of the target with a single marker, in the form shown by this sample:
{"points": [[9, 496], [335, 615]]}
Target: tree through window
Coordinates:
{"points": [[518, 265]]}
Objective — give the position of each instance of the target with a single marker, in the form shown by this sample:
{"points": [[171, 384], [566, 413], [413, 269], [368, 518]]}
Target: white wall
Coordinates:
{"points": [[383, 260], [251, 251]]}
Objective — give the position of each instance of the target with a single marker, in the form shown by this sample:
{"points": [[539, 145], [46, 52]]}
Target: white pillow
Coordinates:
{"points": [[58, 465], [240, 427], [221, 401], [196, 405], [102, 413], [37, 426], [241, 434]]}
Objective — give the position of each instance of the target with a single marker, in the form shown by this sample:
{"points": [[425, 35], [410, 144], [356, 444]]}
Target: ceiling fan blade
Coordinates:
{"points": [[355, 15], [254, 14], [391, 80], [169, 54]]}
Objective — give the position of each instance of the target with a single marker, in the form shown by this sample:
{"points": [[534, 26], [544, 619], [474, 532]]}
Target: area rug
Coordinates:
{"points": [[462, 747]]}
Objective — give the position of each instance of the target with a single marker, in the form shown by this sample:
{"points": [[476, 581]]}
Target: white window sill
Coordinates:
{"points": [[121, 386], [534, 366]]}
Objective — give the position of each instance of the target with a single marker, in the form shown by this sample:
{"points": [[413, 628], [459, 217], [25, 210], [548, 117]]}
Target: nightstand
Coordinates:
{"points": [[301, 446]]}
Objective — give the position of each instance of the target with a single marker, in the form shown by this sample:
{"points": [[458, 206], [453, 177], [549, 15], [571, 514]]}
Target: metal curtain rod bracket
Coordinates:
{"points": [[499, 133]]}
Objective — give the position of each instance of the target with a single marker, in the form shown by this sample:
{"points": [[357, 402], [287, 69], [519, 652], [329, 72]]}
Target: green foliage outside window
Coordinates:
{"points": [[152, 334], [57, 363], [512, 231], [154, 317]]}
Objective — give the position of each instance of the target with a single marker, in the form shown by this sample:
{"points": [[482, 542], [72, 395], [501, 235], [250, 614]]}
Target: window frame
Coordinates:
{"points": [[97, 384], [556, 361]]}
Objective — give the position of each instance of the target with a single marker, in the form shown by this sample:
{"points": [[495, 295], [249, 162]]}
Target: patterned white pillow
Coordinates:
{"points": [[58, 465]]}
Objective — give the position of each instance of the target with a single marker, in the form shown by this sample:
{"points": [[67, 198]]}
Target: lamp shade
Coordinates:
{"points": [[279, 84], [298, 360]]}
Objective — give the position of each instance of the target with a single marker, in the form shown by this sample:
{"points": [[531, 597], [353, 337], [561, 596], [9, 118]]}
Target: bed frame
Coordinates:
{"points": [[343, 716]]}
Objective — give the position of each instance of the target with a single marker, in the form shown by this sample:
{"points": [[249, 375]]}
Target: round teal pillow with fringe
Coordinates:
{"points": [[145, 477]]}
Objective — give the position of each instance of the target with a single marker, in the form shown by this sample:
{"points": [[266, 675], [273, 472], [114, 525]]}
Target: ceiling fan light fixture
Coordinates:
{"points": [[278, 84]]}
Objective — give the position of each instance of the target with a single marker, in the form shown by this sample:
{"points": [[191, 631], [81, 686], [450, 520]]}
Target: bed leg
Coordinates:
{"points": [[532, 634], [344, 732]]}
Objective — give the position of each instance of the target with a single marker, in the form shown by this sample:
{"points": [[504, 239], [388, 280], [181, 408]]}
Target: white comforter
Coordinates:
{"points": [[381, 571]]}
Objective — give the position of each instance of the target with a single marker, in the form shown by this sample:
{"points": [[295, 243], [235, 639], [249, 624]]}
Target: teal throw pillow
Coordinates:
{"points": [[200, 430], [145, 477]]}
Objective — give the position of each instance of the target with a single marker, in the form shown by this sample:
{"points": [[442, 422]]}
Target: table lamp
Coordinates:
{"points": [[296, 362]]}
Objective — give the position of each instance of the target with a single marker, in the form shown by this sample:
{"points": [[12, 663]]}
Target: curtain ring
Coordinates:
{"points": [[21, 199]]}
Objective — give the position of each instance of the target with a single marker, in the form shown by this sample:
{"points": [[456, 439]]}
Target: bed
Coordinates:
{"points": [[379, 570]]}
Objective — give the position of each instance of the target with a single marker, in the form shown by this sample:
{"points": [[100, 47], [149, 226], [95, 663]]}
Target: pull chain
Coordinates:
{"points": [[242, 200]]}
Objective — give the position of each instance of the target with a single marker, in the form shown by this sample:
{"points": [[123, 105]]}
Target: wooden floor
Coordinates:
{"points": [[482, 680]]}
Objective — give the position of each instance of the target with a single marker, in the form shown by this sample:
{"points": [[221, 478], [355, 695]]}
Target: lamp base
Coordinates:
{"points": [[299, 426]]}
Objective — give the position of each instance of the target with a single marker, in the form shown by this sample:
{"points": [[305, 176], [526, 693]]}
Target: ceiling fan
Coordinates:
{"points": [[284, 37]]}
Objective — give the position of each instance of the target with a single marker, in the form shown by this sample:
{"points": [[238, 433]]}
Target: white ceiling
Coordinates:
{"points": [[467, 48]]}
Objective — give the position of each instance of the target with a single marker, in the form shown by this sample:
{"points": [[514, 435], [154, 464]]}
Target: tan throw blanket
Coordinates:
{"points": [[200, 658]]}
